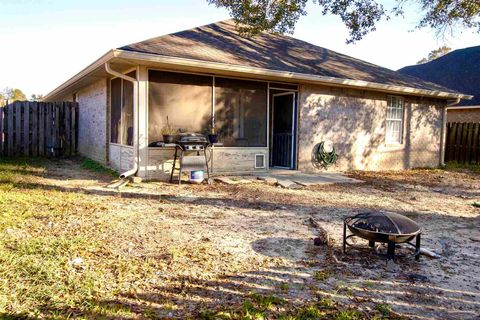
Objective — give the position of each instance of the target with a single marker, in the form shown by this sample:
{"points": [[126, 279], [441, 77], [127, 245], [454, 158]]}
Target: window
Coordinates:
{"points": [[186, 99], [394, 120], [241, 112], [121, 111]]}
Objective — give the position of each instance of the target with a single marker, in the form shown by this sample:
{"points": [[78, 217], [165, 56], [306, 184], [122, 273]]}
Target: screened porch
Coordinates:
{"points": [[239, 111]]}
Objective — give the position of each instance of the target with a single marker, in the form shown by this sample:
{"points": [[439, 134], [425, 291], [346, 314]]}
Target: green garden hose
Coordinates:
{"points": [[324, 158]]}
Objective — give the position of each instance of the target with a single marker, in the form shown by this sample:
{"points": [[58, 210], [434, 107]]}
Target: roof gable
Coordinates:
{"points": [[220, 42]]}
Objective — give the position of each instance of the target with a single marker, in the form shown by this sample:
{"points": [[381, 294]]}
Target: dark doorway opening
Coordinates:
{"points": [[282, 147]]}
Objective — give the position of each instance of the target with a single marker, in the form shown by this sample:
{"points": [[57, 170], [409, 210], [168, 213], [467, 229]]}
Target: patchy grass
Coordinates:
{"points": [[284, 287], [347, 315], [92, 165], [461, 167], [13, 170], [322, 275], [308, 313], [384, 309], [266, 302], [326, 303], [71, 248], [40, 235], [268, 307], [257, 306]]}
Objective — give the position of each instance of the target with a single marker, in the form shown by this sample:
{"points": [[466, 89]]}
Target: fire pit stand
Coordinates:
{"points": [[384, 227]]}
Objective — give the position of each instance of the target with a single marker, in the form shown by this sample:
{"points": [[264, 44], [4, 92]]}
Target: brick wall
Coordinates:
{"points": [[92, 122], [355, 121], [463, 115]]}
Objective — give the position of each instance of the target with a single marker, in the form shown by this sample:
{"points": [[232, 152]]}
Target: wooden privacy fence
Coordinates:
{"points": [[39, 128], [463, 142]]}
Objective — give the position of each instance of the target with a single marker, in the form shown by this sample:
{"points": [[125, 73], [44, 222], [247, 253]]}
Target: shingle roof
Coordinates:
{"points": [[458, 70], [220, 42]]}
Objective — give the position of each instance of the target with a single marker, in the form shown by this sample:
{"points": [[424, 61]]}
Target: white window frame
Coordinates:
{"points": [[393, 102]]}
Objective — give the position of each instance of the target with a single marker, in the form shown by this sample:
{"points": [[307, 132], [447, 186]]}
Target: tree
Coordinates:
{"points": [[36, 97], [359, 16], [13, 94], [17, 94], [435, 54]]}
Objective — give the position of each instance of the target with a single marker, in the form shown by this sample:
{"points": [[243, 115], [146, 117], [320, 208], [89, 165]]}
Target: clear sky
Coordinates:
{"points": [[45, 42]]}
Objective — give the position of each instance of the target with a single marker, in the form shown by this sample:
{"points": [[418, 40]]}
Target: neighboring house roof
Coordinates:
{"points": [[219, 47], [458, 70]]}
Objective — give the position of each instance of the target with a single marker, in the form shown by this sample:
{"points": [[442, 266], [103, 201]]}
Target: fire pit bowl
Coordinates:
{"points": [[385, 227]]}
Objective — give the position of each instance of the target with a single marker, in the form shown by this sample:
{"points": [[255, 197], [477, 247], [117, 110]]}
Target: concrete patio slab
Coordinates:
{"points": [[309, 179], [286, 183]]}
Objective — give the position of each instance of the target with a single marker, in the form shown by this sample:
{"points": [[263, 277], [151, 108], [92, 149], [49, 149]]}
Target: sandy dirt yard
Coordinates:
{"points": [[209, 248]]}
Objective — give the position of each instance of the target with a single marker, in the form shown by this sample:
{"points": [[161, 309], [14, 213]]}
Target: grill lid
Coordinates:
{"points": [[384, 222], [189, 138]]}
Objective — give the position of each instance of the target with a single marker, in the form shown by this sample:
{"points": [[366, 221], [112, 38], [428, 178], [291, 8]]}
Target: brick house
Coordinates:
{"points": [[271, 98]]}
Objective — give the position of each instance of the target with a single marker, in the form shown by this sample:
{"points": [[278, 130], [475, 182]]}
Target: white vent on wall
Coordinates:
{"points": [[259, 161]]}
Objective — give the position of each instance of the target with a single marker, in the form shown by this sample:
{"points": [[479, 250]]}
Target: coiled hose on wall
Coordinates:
{"points": [[324, 157]]}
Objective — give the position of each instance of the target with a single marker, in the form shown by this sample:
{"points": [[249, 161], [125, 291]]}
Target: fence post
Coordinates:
{"points": [[26, 128], [56, 131], [73, 126], [67, 129], [41, 127], [1, 129], [476, 143], [464, 142], [458, 142], [48, 129], [18, 127], [448, 145], [34, 117], [470, 142], [10, 129], [453, 132]]}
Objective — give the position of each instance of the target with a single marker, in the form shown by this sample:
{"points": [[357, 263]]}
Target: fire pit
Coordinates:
{"points": [[385, 227]]}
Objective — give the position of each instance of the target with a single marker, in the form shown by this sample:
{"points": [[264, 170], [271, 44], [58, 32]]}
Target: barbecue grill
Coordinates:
{"points": [[192, 142], [190, 154], [185, 145], [384, 227]]}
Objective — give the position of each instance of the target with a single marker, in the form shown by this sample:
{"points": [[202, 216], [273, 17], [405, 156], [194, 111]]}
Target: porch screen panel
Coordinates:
{"points": [[241, 112], [127, 111], [186, 99], [115, 110]]}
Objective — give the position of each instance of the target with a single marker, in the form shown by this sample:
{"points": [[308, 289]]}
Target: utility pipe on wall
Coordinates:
{"points": [[135, 118]]}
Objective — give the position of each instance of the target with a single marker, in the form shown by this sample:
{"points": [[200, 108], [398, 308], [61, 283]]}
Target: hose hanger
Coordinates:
{"points": [[325, 154]]}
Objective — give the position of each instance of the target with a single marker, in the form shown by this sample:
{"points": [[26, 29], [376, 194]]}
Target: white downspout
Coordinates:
{"points": [[444, 129], [135, 118]]}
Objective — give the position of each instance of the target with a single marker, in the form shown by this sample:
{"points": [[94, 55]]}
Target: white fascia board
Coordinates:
{"points": [[292, 76], [148, 57]]}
